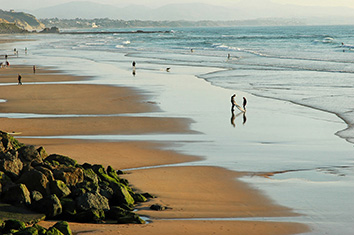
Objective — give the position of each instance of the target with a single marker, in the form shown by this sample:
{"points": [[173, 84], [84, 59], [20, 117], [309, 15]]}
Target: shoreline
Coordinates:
{"points": [[64, 145]]}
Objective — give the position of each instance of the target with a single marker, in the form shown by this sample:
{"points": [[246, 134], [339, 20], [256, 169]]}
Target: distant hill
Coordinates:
{"points": [[243, 10], [22, 20], [90, 10]]}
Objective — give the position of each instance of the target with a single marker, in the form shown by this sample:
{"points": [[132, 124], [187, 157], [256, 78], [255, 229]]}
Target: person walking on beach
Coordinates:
{"points": [[233, 102], [244, 103], [133, 64], [34, 69], [19, 78]]}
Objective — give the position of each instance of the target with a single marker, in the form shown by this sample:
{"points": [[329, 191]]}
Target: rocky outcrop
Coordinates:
{"points": [[60, 188], [17, 227], [22, 20]]}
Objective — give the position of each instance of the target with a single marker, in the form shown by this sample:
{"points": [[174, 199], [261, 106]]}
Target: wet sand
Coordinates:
{"points": [[190, 192]]}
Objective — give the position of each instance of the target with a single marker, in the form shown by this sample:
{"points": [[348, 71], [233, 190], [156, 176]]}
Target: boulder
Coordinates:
{"points": [[90, 216], [157, 207], [50, 206], [64, 160], [42, 153], [11, 225], [17, 195], [5, 182], [69, 208], [138, 197], [90, 175], [46, 171], [59, 188], [63, 227], [94, 201], [28, 231], [35, 180], [68, 174], [41, 230], [53, 231], [28, 154], [121, 194], [11, 164], [7, 142]]}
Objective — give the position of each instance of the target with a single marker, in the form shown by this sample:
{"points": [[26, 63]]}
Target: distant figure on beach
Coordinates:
{"points": [[26, 51], [19, 78], [133, 64], [15, 51], [192, 50], [244, 103], [168, 69], [6, 57], [7, 63], [228, 56], [233, 102], [34, 69]]}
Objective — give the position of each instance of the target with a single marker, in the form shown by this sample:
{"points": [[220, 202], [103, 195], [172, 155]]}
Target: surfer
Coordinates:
{"points": [[168, 69], [228, 56], [244, 103], [233, 102]]}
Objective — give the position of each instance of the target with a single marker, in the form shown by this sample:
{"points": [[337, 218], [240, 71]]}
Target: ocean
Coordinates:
{"points": [[299, 82]]}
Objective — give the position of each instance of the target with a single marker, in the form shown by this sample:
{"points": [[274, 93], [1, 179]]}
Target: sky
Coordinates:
{"points": [[36, 4]]}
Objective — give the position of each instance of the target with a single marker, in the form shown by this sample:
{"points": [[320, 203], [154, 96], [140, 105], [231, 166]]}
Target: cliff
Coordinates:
{"points": [[23, 21]]}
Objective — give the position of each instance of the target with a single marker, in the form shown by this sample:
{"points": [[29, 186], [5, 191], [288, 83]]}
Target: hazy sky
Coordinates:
{"points": [[35, 4]]}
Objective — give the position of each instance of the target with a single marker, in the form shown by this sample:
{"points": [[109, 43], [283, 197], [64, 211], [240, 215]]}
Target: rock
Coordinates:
{"points": [[7, 142], [53, 231], [90, 175], [64, 160], [17, 195], [138, 197], [35, 181], [94, 201], [36, 196], [69, 208], [63, 227], [121, 194], [46, 171], [10, 164], [106, 192], [11, 225], [68, 174], [157, 207], [52, 30], [148, 195], [87, 186], [59, 188], [112, 173], [28, 231], [28, 154], [130, 218], [90, 216], [42, 153], [5, 182], [41, 230], [50, 206]]}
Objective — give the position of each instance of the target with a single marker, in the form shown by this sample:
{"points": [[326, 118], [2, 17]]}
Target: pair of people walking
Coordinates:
{"points": [[233, 103]]}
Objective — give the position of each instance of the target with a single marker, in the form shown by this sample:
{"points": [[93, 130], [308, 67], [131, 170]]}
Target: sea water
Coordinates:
{"points": [[298, 80]]}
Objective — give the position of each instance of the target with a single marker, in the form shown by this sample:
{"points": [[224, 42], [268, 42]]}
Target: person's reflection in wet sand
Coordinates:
{"points": [[244, 118], [233, 118]]}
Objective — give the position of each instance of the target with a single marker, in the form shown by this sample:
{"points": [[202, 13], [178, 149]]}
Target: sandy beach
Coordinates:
{"points": [[189, 191]]}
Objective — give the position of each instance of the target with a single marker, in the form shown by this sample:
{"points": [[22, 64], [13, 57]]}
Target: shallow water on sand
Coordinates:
{"points": [[313, 167]]}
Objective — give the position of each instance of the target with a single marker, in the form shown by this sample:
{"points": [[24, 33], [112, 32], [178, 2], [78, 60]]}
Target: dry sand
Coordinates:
{"points": [[190, 192]]}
